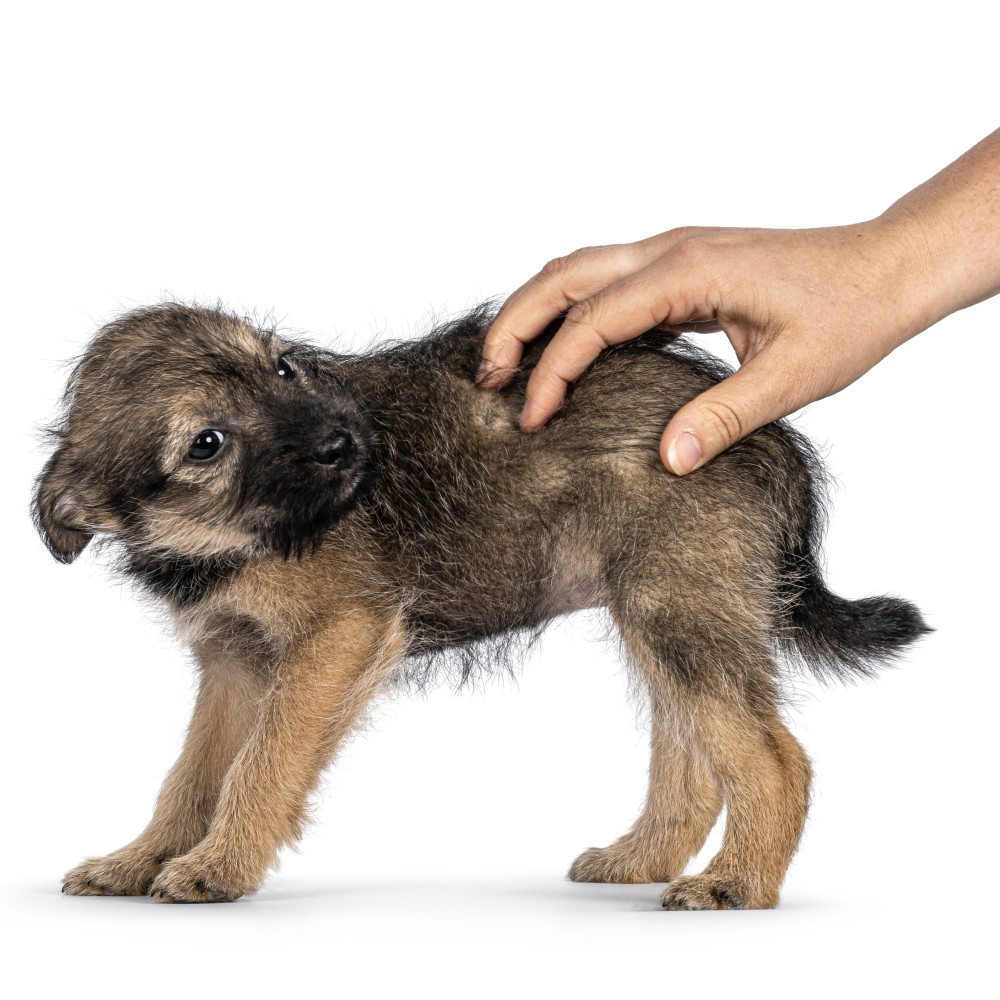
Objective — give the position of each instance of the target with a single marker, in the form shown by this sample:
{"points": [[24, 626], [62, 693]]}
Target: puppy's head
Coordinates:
{"points": [[188, 433]]}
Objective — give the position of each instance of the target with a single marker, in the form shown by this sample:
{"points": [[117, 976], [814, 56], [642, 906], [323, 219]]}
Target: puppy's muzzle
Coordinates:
{"points": [[337, 451]]}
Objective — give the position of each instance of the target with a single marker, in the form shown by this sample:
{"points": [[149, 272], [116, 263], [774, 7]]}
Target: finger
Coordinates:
{"points": [[640, 302], [562, 283], [764, 389]]}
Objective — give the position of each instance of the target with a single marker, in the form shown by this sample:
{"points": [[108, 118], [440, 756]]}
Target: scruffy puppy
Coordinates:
{"points": [[317, 523]]}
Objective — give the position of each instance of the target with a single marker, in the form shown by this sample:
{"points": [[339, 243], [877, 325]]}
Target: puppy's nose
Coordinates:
{"points": [[336, 451]]}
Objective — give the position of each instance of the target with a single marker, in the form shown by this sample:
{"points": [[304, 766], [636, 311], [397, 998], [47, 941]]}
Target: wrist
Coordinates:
{"points": [[952, 225], [922, 269]]}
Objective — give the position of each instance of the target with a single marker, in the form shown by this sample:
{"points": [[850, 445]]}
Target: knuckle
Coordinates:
{"points": [[686, 232], [625, 257], [547, 377], [729, 423], [614, 257], [585, 317], [694, 251], [557, 267], [582, 314]]}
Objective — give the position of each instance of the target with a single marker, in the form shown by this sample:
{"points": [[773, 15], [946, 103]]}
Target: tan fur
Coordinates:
{"points": [[259, 737], [682, 805], [359, 519]]}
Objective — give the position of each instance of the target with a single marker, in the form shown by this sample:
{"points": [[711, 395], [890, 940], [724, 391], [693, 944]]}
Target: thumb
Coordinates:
{"points": [[725, 414]]}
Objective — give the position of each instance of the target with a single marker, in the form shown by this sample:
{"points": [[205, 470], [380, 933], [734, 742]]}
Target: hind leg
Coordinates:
{"points": [[759, 767], [764, 774], [703, 647], [682, 805]]}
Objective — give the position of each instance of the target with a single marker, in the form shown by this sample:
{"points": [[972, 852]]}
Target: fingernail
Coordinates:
{"points": [[683, 453], [482, 375]]}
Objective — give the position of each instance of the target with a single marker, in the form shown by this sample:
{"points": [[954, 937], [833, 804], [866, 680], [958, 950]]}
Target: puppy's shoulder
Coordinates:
{"points": [[286, 599]]}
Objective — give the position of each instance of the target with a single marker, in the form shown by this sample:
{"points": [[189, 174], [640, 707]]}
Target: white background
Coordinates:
{"points": [[356, 169]]}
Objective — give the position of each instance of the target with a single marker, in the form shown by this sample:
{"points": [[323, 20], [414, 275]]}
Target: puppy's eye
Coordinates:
{"points": [[206, 445], [285, 370]]}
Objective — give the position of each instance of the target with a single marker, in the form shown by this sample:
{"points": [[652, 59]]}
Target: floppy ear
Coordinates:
{"points": [[58, 510]]}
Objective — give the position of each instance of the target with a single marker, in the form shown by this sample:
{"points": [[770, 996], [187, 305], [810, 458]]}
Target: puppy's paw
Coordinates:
{"points": [[621, 862], [127, 872], [195, 878], [715, 892]]}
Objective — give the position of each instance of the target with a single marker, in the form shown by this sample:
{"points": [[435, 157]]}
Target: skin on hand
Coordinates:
{"points": [[806, 311]]}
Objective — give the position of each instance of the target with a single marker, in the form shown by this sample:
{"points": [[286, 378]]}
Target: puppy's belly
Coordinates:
{"points": [[580, 594], [576, 583]]}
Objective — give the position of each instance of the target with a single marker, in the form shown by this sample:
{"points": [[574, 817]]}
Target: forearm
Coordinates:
{"points": [[952, 225]]}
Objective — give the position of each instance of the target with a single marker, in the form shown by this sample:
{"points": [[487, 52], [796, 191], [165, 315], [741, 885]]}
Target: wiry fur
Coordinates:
{"points": [[442, 533]]}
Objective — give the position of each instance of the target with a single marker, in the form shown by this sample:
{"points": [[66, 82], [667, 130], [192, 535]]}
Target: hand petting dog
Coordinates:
{"points": [[807, 311]]}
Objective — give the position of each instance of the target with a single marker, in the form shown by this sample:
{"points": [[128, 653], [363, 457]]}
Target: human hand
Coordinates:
{"points": [[806, 311]]}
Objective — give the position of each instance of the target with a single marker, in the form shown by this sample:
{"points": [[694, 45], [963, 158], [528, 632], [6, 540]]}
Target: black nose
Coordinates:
{"points": [[337, 451]]}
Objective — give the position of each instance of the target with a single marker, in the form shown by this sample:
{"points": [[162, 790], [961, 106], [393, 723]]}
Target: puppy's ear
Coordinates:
{"points": [[59, 511]]}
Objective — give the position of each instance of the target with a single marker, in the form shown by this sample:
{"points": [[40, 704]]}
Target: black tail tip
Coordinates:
{"points": [[837, 637], [887, 622]]}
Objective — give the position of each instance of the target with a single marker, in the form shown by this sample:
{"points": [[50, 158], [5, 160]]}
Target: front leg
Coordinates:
{"points": [[227, 705], [318, 694]]}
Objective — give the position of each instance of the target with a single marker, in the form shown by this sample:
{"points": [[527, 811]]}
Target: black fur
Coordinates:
{"points": [[182, 582]]}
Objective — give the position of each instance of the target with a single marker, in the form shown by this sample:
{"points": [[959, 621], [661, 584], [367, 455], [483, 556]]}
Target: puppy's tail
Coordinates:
{"points": [[833, 636], [845, 639]]}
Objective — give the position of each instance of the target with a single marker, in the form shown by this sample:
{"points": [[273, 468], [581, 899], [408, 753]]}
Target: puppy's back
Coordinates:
{"points": [[493, 529]]}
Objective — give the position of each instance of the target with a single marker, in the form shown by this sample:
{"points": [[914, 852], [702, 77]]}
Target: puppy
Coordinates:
{"points": [[319, 525]]}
